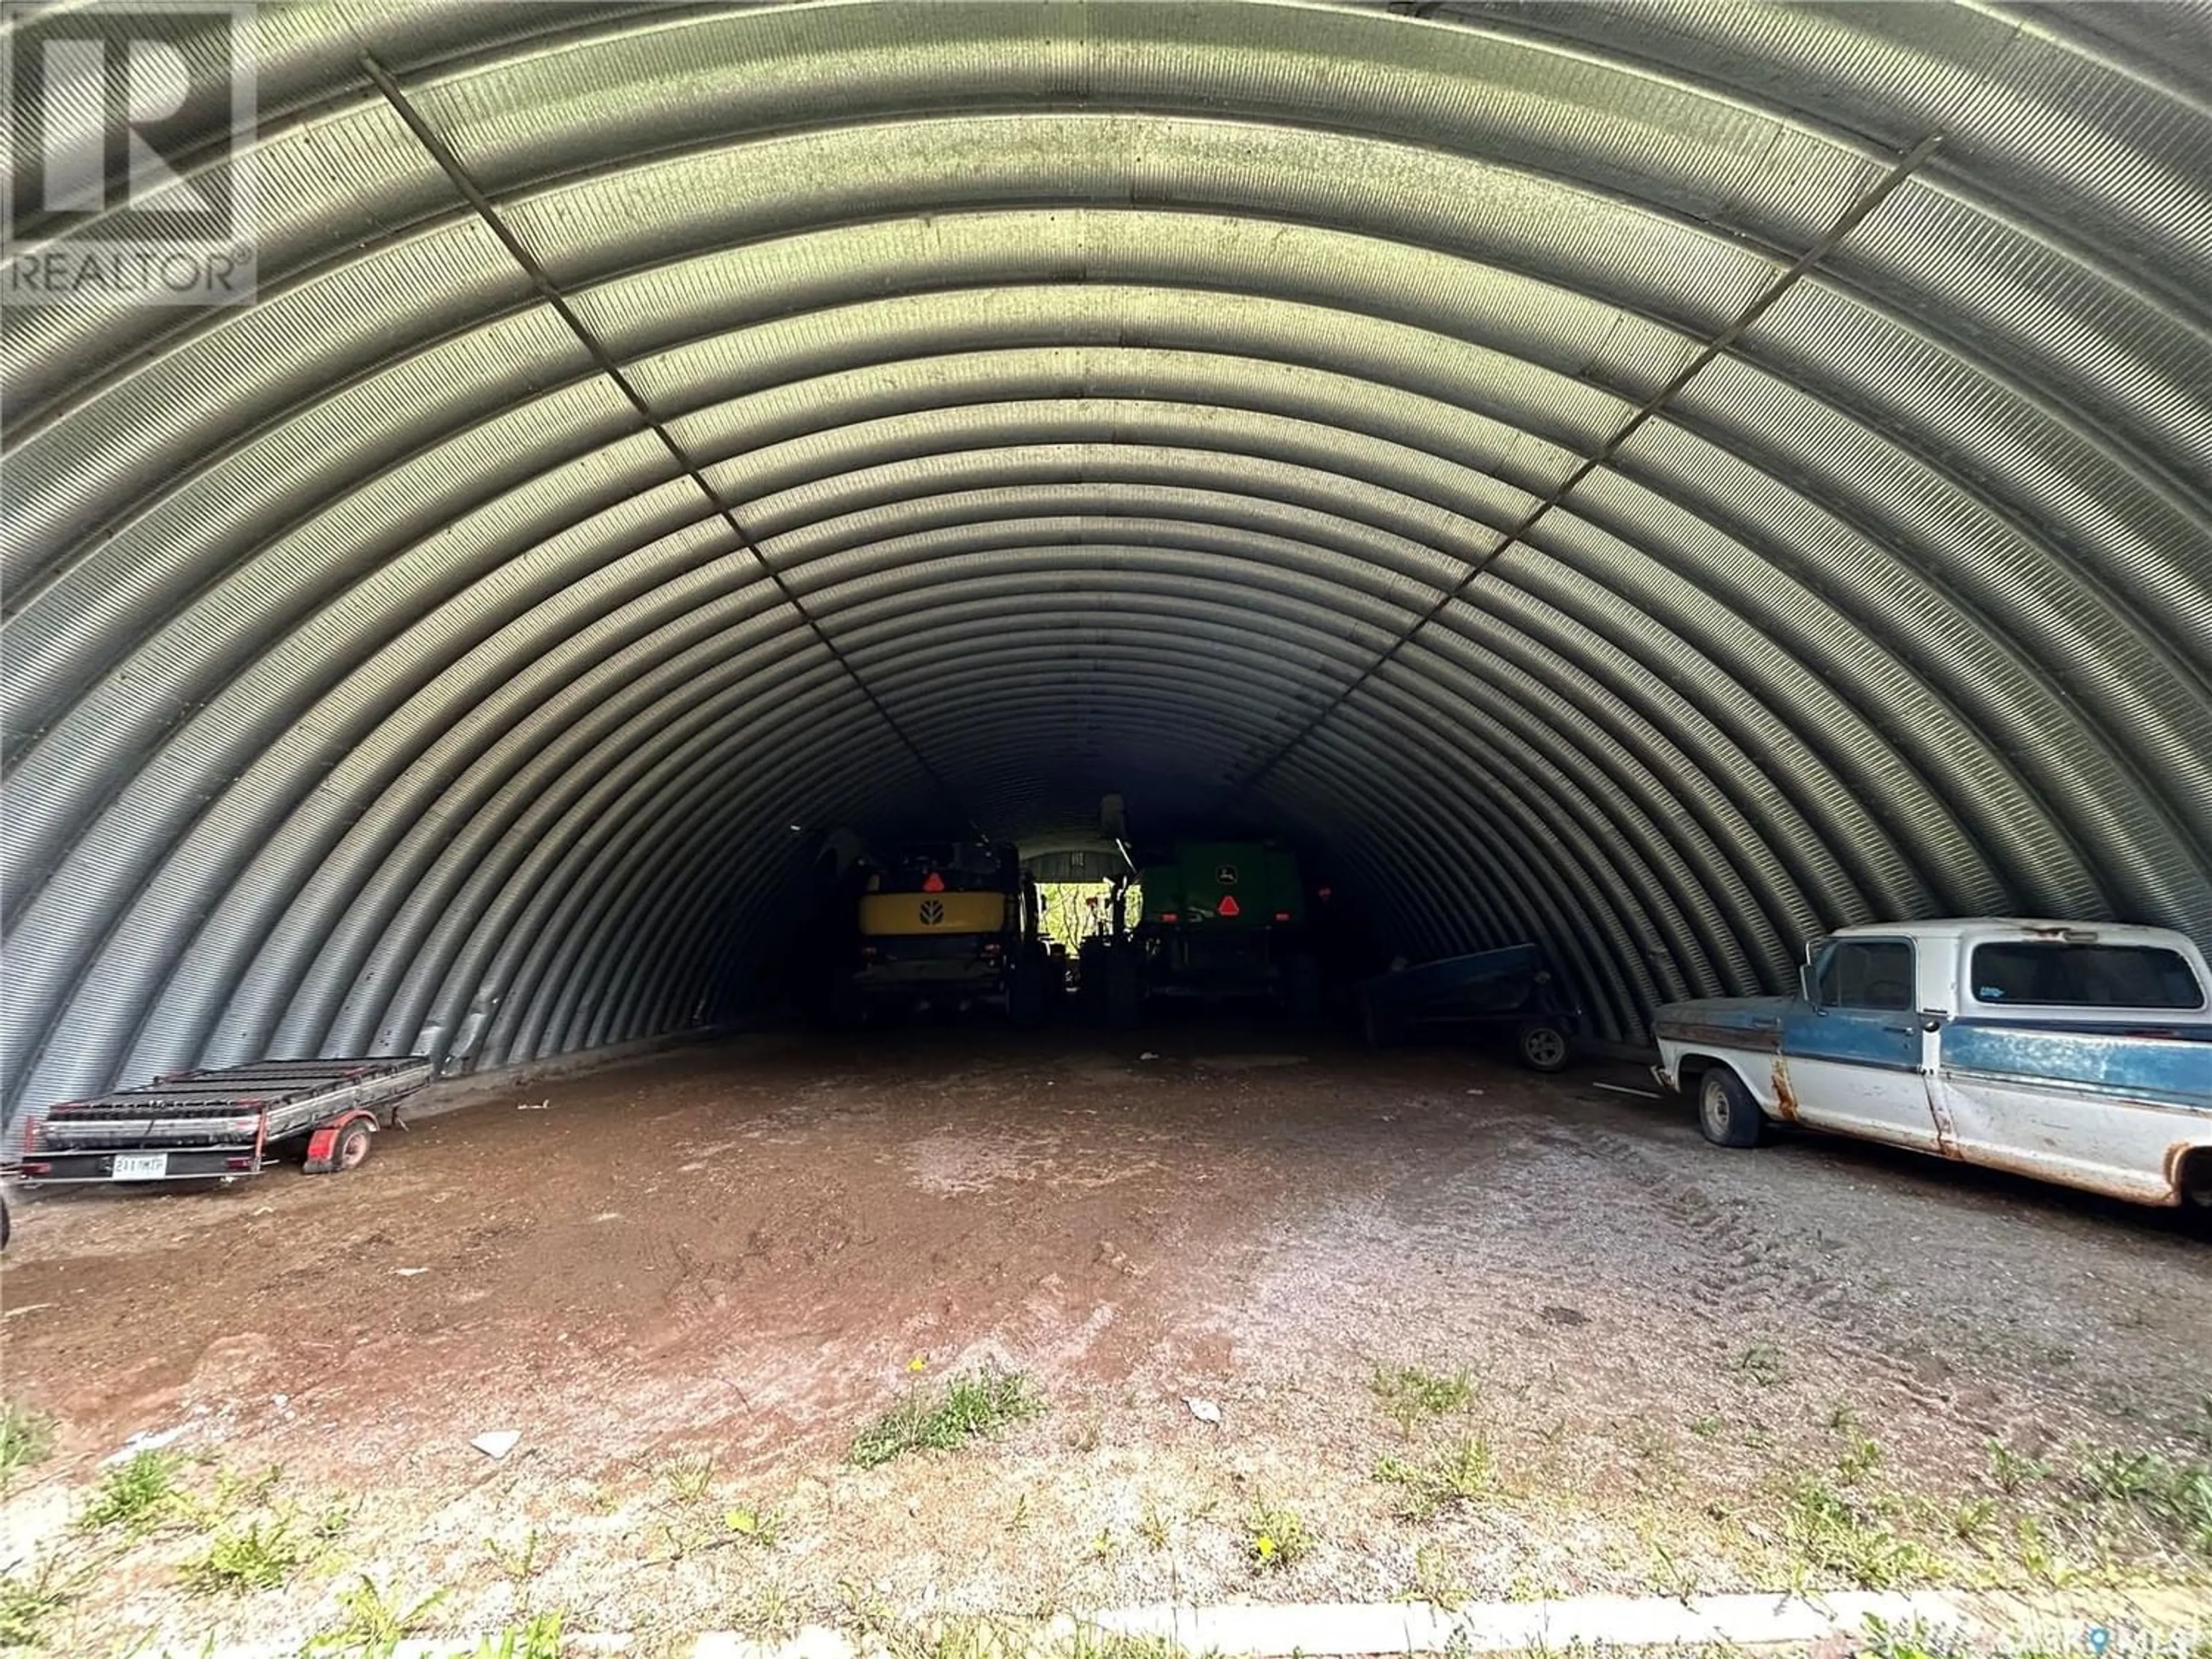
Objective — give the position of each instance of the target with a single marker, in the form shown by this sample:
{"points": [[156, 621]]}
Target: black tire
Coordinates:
{"points": [[353, 1145], [2195, 1191], [1726, 1113], [1302, 989], [1125, 992], [1377, 1027], [1026, 997], [1543, 1047]]}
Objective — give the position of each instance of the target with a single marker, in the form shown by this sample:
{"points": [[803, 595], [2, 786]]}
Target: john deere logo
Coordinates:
{"points": [[1226, 875], [932, 912]]}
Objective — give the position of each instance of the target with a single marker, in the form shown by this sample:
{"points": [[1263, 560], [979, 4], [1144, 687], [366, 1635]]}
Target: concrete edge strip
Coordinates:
{"points": [[1338, 1629]]}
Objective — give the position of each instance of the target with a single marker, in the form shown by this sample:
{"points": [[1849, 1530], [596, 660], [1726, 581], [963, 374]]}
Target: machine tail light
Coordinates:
{"points": [[237, 1164], [30, 1168], [868, 951], [992, 947], [1282, 915], [1169, 915]]}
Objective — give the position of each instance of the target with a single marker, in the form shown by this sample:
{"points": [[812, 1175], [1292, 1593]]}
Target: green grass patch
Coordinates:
{"points": [[1847, 1536], [373, 1620], [2176, 1498], [970, 1406], [1275, 1537], [27, 1439], [31, 1597], [1462, 1472], [1408, 1393], [259, 1555], [136, 1496]]}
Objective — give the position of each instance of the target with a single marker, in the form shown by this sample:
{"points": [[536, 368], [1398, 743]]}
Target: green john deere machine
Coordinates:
{"points": [[1217, 921]]}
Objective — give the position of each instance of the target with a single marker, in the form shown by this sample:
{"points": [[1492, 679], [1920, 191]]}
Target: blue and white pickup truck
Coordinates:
{"points": [[2079, 1053]]}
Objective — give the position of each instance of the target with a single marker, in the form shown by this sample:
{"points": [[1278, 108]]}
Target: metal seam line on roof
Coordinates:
{"points": [[1846, 222], [547, 290], [1105, 394]]}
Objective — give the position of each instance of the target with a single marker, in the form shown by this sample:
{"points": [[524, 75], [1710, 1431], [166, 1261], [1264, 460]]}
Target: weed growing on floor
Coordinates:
{"points": [[2177, 1497], [259, 1555], [136, 1496], [1762, 1363], [373, 1620], [766, 1615], [521, 1564], [688, 1479], [1153, 1528], [27, 1439], [1462, 1472], [1833, 1533], [539, 1638], [2010, 1471], [1275, 1538], [1409, 1394], [979, 1404], [1915, 1640], [1434, 1582], [754, 1525], [1858, 1460], [1092, 1642], [31, 1597]]}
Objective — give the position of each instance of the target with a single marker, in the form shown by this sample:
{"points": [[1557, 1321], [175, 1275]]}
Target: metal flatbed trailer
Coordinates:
{"points": [[222, 1123]]}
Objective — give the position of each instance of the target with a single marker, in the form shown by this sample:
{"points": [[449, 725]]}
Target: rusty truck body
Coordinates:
{"points": [[2079, 1053]]}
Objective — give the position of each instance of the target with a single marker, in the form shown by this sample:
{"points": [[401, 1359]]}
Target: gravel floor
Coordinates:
{"points": [[688, 1283]]}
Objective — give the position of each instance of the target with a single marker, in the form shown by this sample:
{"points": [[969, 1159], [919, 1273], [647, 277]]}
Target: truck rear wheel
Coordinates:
{"points": [[1726, 1111], [2194, 1190]]}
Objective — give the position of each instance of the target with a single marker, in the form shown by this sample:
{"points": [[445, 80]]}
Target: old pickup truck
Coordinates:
{"points": [[2079, 1053]]}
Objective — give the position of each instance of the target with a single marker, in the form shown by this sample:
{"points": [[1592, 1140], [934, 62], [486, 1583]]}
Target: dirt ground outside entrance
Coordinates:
{"points": [[1468, 1332]]}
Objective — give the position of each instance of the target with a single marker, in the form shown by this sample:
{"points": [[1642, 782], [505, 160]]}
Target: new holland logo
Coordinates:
{"points": [[932, 912]]}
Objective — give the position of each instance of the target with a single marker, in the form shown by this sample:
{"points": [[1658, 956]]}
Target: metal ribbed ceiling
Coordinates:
{"points": [[1101, 393]]}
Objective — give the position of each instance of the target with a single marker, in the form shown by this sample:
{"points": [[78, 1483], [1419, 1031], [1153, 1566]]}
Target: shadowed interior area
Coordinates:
{"points": [[666, 433]]}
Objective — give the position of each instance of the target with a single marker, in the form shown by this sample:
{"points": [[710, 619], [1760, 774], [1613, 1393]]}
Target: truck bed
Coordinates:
{"points": [[230, 1107]]}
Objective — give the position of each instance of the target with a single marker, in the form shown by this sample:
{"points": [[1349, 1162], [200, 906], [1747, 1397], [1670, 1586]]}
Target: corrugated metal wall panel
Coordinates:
{"points": [[1114, 385]]}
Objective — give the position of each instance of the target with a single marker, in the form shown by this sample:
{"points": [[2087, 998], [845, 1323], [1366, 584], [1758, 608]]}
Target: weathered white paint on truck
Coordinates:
{"points": [[2079, 1053]]}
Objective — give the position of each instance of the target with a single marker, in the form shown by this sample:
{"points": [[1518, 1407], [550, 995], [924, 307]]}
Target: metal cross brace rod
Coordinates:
{"points": [[1846, 223], [557, 301]]}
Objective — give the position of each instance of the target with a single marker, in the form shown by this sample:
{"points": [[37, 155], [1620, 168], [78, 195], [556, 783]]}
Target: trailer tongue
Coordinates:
{"points": [[223, 1123]]}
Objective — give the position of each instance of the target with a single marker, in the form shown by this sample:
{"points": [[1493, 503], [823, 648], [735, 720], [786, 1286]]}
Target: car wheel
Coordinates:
{"points": [[1726, 1112], [1544, 1048]]}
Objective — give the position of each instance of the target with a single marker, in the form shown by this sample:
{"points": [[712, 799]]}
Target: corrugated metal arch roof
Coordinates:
{"points": [[1118, 393]]}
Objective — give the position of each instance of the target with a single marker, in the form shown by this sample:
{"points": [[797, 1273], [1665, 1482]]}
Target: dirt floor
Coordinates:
{"points": [[1470, 1332]]}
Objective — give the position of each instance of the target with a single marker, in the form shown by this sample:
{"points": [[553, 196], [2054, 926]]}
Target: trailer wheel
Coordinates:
{"points": [[1726, 1111], [1544, 1048], [353, 1144]]}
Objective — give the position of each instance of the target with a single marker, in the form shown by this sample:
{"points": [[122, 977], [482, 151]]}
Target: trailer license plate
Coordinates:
{"points": [[141, 1166]]}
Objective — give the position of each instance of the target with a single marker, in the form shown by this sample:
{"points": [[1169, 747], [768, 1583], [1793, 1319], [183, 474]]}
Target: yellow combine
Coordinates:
{"points": [[947, 926]]}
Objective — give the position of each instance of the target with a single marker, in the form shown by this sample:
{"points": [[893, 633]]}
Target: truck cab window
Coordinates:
{"points": [[2061, 974], [1867, 974]]}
